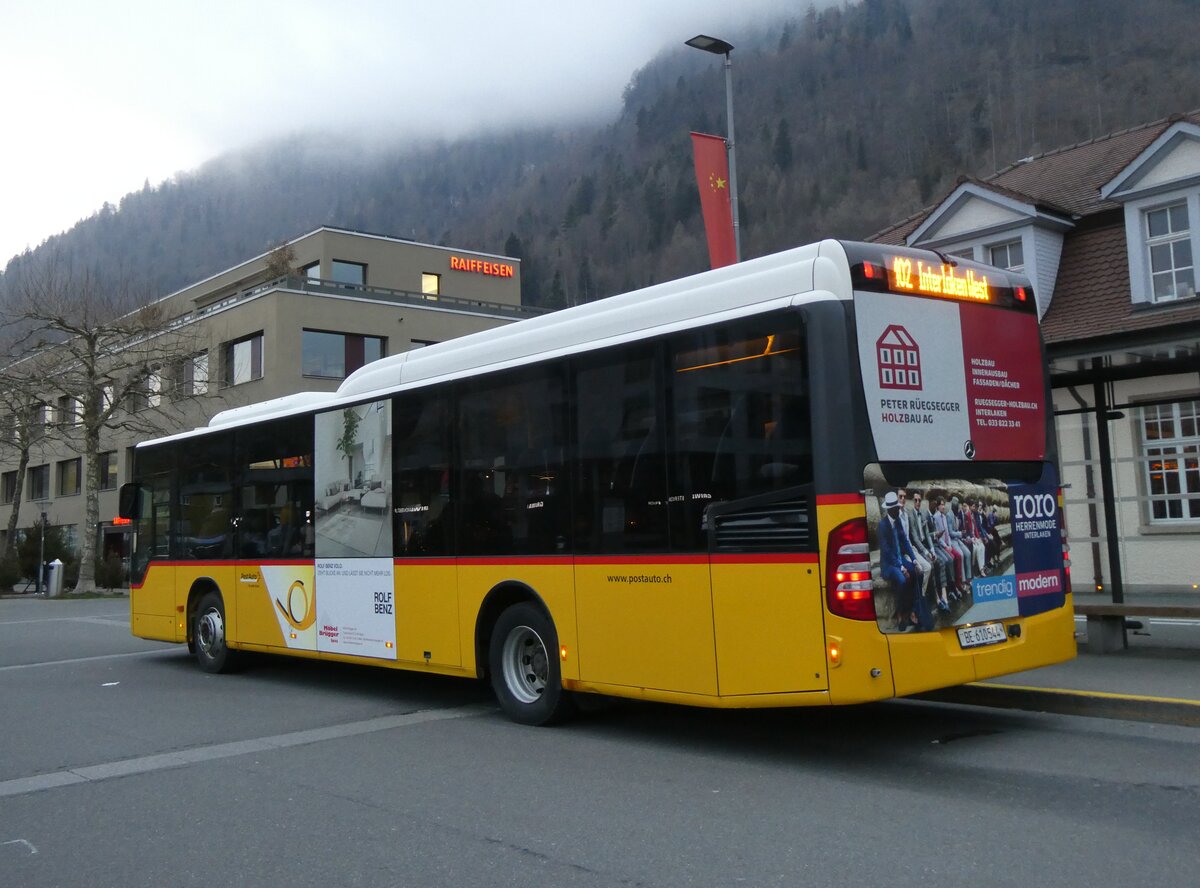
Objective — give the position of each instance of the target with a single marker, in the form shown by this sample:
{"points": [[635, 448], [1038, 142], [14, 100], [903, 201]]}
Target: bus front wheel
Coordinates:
{"points": [[524, 666], [208, 635]]}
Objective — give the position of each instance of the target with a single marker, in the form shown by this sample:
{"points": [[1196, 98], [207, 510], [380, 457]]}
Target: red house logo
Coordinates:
{"points": [[899, 359]]}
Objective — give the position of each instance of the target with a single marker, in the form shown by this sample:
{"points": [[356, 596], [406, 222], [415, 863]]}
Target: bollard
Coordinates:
{"points": [[54, 578]]}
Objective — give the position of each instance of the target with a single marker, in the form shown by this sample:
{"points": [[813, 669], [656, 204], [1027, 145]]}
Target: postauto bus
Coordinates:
{"points": [[820, 477]]}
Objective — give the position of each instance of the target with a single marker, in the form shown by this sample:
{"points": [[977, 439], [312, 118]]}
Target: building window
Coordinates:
{"points": [[312, 272], [144, 393], [195, 374], [431, 284], [1171, 455], [1008, 255], [1169, 243], [244, 360], [154, 388], [45, 416], [108, 470], [68, 477], [352, 274], [8, 487], [337, 355], [68, 411], [421, 343], [39, 483]]}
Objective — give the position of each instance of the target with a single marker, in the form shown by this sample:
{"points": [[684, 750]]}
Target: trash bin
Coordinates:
{"points": [[54, 578]]}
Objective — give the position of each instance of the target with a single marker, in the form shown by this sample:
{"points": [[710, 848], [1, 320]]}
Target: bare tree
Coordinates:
{"points": [[21, 430], [112, 356]]}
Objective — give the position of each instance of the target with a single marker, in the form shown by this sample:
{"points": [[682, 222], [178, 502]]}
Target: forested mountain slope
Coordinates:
{"points": [[847, 119]]}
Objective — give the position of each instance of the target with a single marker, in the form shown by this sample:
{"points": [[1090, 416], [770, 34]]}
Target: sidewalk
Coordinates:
{"points": [[1156, 679]]}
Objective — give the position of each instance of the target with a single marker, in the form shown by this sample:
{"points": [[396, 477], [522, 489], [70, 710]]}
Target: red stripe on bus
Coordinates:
{"points": [[839, 499], [497, 561], [768, 558], [535, 561]]}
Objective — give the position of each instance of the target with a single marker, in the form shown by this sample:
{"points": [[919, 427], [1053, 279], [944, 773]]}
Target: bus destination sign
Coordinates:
{"points": [[945, 280]]}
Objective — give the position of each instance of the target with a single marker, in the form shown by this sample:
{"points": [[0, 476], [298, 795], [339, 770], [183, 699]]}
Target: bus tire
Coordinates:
{"points": [[524, 666], [208, 635]]}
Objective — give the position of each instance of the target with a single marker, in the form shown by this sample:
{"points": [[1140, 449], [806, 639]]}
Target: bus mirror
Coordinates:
{"points": [[131, 501]]}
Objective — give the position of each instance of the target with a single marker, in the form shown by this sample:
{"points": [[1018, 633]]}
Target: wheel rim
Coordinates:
{"points": [[526, 664], [210, 632]]}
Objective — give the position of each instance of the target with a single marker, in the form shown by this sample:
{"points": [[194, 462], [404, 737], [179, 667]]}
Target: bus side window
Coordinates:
{"points": [[275, 489], [739, 416], [513, 479], [620, 467], [424, 514]]}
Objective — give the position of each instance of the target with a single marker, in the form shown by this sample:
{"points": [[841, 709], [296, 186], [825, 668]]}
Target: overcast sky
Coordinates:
{"points": [[97, 97]]}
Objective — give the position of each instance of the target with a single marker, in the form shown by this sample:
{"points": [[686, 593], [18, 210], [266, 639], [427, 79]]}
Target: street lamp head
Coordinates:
{"points": [[710, 44]]}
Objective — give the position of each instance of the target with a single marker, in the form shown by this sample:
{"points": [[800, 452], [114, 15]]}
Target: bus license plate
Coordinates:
{"points": [[977, 636]]}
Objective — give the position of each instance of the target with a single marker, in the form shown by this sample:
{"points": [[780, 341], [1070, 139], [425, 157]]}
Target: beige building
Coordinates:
{"points": [[254, 334]]}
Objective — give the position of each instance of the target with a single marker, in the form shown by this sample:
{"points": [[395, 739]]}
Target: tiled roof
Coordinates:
{"points": [[1091, 299], [1093, 285], [1072, 177]]}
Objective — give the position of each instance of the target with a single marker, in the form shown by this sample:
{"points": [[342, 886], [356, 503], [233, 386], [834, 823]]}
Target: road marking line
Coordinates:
{"points": [[120, 618], [162, 761], [163, 651], [105, 621], [1104, 695], [1157, 621], [28, 844]]}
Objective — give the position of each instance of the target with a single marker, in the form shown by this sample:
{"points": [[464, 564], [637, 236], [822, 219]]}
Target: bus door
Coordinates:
{"points": [[152, 574], [712, 471], [644, 612], [766, 590], [273, 537], [741, 488], [354, 572]]}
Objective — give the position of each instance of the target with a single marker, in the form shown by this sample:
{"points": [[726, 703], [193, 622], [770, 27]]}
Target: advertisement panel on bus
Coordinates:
{"points": [[957, 552]]}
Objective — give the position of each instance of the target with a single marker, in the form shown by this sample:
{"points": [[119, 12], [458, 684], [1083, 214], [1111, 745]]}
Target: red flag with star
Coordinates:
{"points": [[712, 177]]}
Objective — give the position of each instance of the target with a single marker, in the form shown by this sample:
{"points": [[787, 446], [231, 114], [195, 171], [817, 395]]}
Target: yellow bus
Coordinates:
{"points": [[820, 477]]}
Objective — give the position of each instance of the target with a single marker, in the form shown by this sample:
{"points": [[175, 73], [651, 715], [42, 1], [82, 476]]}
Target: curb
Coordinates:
{"points": [[1095, 704]]}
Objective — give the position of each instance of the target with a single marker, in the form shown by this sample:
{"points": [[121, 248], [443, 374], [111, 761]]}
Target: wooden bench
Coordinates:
{"points": [[1106, 622]]}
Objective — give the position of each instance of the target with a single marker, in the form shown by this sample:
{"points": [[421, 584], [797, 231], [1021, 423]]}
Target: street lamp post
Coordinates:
{"points": [[720, 47]]}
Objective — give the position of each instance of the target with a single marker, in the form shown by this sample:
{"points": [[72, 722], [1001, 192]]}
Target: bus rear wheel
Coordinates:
{"points": [[208, 635], [524, 666]]}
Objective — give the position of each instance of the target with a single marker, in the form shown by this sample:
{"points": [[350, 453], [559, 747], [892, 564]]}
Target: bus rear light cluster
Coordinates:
{"points": [[848, 571]]}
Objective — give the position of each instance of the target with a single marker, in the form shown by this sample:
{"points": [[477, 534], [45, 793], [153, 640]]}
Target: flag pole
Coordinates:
{"points": [[717, 46], [733, 192]]}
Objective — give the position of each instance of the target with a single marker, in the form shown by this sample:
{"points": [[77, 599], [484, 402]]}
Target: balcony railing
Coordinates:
{"points": [[301, 284]]}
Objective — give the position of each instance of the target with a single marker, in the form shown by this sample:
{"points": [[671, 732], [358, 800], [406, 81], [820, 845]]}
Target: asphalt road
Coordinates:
{"points": [[122, 764]]}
